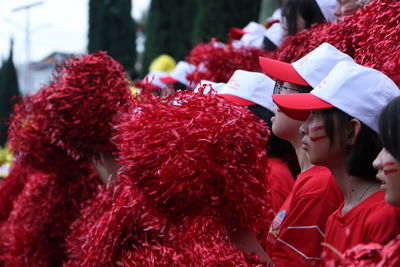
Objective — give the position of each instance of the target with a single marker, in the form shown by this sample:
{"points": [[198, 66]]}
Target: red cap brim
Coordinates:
{"points": [[235, 33], [298, 106], [168, 80], [281, 71], [237, 100]]}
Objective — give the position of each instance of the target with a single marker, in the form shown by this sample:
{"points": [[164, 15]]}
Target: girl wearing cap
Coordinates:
{"points": [[298, 229], [388, 165], [388, 161], [298, 15], [340, 132]]}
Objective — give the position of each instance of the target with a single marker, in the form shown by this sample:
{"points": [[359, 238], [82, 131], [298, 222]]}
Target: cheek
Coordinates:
{"points": [[317, 133], [284, 127], [390, 167]]}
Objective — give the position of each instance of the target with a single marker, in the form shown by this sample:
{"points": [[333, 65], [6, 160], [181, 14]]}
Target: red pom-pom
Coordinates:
{"points": [[35, 230], [217, 63], [202, 156]]}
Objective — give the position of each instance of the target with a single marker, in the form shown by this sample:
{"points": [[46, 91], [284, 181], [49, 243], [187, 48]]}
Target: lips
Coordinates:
{"points": [[382, 181], [304, 145]]}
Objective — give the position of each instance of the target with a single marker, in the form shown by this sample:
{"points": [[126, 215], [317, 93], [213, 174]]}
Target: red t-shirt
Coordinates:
{"points": [[280, 183], [295, 236], [373, 220]]}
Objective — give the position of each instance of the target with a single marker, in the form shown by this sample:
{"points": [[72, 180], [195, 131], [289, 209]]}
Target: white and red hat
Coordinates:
{"points": [[208, 85], [275, 34], [247, 88], [327, 8], [152, 79], [309, 70], [359, 91], [179, 74]]}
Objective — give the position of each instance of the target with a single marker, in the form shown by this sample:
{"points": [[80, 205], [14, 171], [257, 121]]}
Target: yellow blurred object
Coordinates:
{"points": [[135, 91], [164, 63], [5, 155], [5, 161]]}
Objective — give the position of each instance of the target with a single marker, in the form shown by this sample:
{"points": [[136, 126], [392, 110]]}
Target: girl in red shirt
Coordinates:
{"points": [[340, 132]]}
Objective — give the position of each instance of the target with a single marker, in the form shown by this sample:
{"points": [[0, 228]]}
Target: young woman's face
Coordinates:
{"points": [[283, 126], [315, 141], [346, 8], [389, 174]]}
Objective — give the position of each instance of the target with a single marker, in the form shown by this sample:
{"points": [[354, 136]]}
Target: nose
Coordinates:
{"points": [[303, 129], [378, 161]]}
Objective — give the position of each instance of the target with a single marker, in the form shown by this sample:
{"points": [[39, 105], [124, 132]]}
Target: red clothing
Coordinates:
{"points": [[280, 183], [373, 220], [297, 231]]}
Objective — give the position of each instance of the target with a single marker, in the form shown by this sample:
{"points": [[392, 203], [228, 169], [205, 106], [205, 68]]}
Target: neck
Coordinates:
{"points": [[304, 162], [355, 189]]}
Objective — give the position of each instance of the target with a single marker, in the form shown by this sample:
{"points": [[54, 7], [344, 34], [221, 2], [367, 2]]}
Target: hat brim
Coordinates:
{"points": [[298, 106], [168, 80], [237, 100], [281, 71], [235, 33]]}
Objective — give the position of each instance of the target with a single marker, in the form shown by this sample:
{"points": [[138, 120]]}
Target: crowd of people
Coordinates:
{"points": [[277, 148]]}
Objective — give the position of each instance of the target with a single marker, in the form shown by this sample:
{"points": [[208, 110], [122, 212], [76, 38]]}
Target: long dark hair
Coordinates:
{"points": [[366, 148], [307, 9], [389, 128]]}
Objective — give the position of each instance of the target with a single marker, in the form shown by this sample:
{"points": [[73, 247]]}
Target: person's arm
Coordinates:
{"points": [[245, 240]]}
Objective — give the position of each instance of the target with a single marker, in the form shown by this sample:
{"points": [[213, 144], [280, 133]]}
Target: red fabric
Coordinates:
{"points": [[280, 183], [176, 197], [373, 220], [314, 197]]}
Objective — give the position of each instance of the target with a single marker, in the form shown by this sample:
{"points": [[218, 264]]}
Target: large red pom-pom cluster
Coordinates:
{"points": [[202, 156], [88, 94], [28, 136], [125, 230], [217, 63], [35, 230], [115, 222]]}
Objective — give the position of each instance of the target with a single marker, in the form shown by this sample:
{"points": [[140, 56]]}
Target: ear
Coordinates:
{"points": [[354, 131]]}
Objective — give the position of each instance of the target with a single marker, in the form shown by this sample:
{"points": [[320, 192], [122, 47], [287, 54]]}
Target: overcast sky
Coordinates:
{"points": [[56, 25]]}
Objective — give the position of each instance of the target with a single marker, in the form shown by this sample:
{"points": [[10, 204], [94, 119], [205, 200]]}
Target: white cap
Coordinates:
{"points": [[309, 70], [153, 78], [254, 34], [247, 88], [208, 85], [328, 9], [359, 91], [275, 34], [179, 73]]}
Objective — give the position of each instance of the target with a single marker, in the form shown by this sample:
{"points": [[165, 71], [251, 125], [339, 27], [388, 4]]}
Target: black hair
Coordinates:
{"points": [[277, 147], [307, 9], [389, 128], [268, 45], [179, 86], [364, 151]]}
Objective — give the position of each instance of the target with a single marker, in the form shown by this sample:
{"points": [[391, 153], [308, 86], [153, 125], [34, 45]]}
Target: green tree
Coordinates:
{"points": [[214, 18], [168, 30], [112, 29], [9, 90]]}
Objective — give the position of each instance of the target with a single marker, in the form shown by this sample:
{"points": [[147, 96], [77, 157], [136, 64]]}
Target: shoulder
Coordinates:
{"points": [[319, 182]]}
